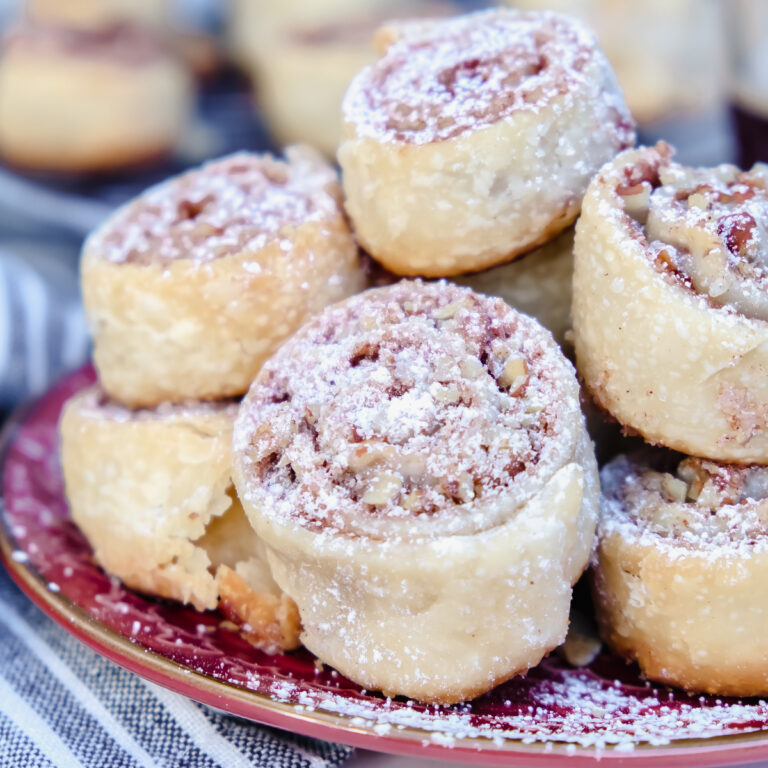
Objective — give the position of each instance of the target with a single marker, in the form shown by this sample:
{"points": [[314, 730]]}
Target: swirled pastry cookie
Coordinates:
{"points": [[472, 139], [152, 492], [681, 572], [670, 304], [75, 100], [417, 465], [538, 284], [188, 288]]}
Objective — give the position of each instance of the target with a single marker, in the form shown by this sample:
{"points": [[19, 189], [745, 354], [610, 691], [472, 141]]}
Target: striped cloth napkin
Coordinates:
{"points": [[63, 706], [42, 327]]}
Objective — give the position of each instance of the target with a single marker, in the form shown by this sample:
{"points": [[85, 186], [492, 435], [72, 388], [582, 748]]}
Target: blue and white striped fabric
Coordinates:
{"points": [[42, 328], [63, 706]]}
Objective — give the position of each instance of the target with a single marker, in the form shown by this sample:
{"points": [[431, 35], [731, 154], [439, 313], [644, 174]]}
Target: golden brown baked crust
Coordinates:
{"points": [[81, 100], [270, 622], [472, 139], [681, 572], [122, 468], [416, 463], [669, 309], [152, 492], [191, 286]]}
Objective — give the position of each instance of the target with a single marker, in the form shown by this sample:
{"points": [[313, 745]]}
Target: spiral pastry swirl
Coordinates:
{"points": [[670, 302], [472, 139]]}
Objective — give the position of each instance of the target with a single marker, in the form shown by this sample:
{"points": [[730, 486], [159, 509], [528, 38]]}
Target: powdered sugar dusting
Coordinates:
{"points": [[442, 78], [236, 203], [555, 703], [401, 403], [698, 506]]}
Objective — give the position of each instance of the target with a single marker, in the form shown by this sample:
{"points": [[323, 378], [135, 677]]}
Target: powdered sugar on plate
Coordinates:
{"points": [[554, 703]]}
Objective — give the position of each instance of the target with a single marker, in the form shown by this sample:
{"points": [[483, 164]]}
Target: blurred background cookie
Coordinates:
{"points": [[302, 71], [90, 99], [100, 14]]}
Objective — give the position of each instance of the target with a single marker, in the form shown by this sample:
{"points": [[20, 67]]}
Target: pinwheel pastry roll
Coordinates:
{"points": [[152, 492], [538, 284], [670, 304], [416, 463], [681, 571], [472, 139], [188, 288], [81, 100]]}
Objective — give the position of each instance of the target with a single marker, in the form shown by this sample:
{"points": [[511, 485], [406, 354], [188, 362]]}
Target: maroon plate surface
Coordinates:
{"points": [[555, 714]]}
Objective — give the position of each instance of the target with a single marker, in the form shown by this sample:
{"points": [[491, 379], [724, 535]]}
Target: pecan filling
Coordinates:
{"points": [[430, 400], [710, 226], [696, 502]]}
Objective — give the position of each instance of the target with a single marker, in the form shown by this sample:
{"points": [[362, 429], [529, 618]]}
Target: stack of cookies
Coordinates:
{"points": [[187, 290], [670, 312]]}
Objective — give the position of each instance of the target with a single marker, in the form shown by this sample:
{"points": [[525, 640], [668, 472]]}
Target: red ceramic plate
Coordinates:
{"points": [[555, 714]]}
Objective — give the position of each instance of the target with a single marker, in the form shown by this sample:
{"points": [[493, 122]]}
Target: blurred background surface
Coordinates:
{"points": [[101, 98]]}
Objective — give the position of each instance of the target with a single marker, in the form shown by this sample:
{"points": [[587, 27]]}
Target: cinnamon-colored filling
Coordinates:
{"points": [[402, 402], [709, 226], [240, 202], [442, 79], [693, 504]]}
